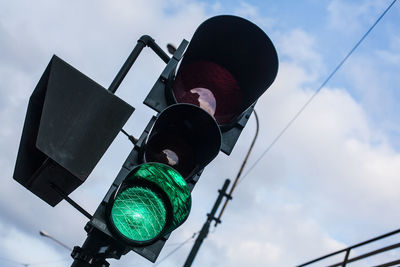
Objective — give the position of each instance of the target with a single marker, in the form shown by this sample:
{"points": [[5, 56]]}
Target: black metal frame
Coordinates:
{"points": [[95, 250], [347, 260]]}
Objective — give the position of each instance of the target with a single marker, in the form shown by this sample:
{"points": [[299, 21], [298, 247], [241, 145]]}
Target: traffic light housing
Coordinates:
{"points": [[181, 140], [203, 97]]}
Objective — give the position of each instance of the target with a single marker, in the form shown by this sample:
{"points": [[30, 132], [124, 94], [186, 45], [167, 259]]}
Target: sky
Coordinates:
{"points": [[329, 182]]}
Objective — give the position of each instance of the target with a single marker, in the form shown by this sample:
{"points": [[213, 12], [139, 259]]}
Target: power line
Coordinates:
{"points": [[237, 179], [176, 249], [48, 262], [13, 261], [32, 264], [317, 91]]}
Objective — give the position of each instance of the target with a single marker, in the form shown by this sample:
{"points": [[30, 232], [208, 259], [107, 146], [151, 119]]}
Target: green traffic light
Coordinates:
{"points": [[139, 214], [153, 200]]}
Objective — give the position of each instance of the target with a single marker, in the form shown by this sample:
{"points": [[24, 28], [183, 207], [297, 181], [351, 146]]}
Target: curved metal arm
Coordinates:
{"points": [[144, 41]]}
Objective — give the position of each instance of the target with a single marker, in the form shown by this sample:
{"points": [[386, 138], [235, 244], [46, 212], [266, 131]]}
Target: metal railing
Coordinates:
{"points": [[347, 260]]}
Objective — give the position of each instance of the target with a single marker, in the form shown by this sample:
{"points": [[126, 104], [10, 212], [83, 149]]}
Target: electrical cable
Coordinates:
{"points": [[176, 249], [317, 91], [48, 262], [13, 261], [32, 264], [235, 183]]}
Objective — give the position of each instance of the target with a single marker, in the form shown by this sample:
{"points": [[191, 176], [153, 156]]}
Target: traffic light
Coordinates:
{"points": [[151, 195], [153, 200], [203, 103], [203, 98]]}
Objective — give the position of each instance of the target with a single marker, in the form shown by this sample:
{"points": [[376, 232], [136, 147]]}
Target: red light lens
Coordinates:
{"points": [[211, 87]]}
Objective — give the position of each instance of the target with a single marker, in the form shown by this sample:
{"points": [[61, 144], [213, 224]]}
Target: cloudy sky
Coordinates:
{"points": [[331, 180]]}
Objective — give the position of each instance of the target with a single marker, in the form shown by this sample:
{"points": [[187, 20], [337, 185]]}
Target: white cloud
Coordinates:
{"points": [[18, 247], [332, 163], [252, 13], [351, 17], [299, 46], [391, 55]]}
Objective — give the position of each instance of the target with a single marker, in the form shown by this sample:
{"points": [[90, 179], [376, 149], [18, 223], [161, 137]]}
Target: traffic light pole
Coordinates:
{"points": [[96, 249], [206, 227]]}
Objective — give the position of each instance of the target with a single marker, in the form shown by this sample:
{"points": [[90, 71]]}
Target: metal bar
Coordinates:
{"points": [[346, 257], [126, 67], [375, 252], [204, 230], [72, 202], [351, 247], [369, 254], [144, 41], [164, 56], [79, 208], [391, 263]]}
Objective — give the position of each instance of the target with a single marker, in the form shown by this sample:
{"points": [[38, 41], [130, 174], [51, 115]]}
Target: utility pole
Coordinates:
{"points": [[206, 227], [211, 216]]}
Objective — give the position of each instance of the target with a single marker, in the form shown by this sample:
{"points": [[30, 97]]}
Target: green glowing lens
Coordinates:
{"points": [[138, 214], [173, 184]]}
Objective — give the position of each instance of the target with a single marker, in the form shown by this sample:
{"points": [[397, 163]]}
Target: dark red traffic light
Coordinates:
{"points": [[227, 66], [211, 87]]}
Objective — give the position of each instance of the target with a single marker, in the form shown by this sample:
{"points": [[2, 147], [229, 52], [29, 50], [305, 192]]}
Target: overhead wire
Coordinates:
{"points": [[49, 262], [235, 183], [13, 261], [177, 248], [316, 92], [32, 264]]}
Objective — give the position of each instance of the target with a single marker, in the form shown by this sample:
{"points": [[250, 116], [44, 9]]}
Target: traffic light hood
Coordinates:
{"points": [[70, 122], [229, 64]]}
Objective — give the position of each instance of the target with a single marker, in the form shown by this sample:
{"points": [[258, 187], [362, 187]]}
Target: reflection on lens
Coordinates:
{"points": [[173, 148], [206, 99], [172, 157], [211, 87]]}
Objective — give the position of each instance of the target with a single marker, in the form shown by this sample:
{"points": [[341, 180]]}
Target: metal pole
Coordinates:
{"points": [[71, 202], [144, 41], [206, 227], [94, 251], [346, 257]]}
